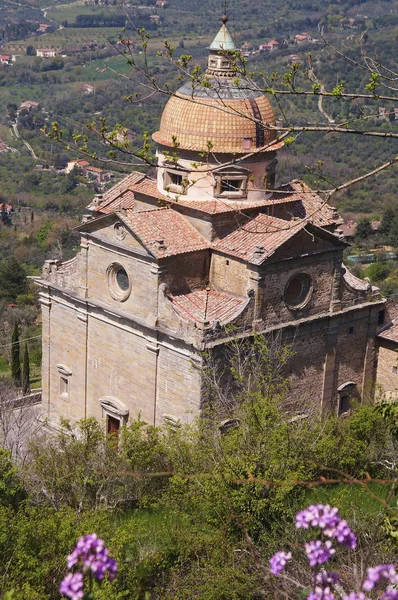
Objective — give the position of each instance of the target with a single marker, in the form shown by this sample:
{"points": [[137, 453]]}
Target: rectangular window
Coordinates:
{"points": [[64, 387], [394, 370], [174, 181], [381, 317], [112, 425], [345, 404], [350, 330], [231, 185], [246, 144]]}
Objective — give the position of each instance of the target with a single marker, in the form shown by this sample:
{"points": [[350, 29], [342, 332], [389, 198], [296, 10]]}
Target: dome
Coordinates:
{"points": [[229, 115]]}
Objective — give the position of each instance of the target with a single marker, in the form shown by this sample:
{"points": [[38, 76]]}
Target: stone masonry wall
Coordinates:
{"points": [[229, 275], [186, 272], [275, 279], [387, 360], [142, 300]]}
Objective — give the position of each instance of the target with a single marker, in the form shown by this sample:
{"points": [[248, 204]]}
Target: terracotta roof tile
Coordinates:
{"points": [[312, 207], [259, 238], [193, 117], [391, 333], [164, 232], [125, 200], [204, 306], [113, 199]]}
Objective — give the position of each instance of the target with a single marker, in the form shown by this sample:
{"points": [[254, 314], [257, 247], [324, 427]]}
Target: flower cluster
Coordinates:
{"points": [[323, 586], [332, 526], [278, 562], [328, 519], [319, 552], [373, 576], [91, 556]]}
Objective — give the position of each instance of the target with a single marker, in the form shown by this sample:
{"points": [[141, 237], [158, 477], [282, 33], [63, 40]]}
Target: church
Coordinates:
{"points": [[169, 267]]}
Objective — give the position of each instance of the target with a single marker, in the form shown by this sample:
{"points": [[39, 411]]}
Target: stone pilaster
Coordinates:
{"points": [[329, 367]]}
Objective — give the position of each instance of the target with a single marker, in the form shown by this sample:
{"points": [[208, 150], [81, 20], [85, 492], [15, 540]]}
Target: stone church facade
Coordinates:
{"points": [[168, 266]]}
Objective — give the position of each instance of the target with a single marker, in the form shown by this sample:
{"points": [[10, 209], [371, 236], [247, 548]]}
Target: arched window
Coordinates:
{"points": [[346, 392]]}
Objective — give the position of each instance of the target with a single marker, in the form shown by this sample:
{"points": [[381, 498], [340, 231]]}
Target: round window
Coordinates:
{"points": [[298, 291], [120, 231], [118, 282]]}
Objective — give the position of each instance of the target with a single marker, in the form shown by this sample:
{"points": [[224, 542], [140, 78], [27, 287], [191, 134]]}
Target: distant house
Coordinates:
{"points": [[302, 38], [7, 207], [4, 147], [46, 52], [161, 3], [155, 18], [43, 28], [5, 60], [88, 89], [76, 164], [348, 230], [95, 174], [269, 46], [84, 167], [294, 58], [29, 105]]}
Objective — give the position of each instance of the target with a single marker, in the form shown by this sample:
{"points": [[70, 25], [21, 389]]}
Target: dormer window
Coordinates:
{"points": [[175, 181], [231, 184]]}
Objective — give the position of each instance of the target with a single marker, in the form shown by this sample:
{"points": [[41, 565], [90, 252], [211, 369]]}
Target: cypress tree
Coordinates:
{"points": [[15, 360], [25, 371]]}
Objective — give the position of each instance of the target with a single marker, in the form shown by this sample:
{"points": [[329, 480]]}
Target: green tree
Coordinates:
{"points": [[364, 229], [15, 357], [30, 50], [12, 279], [25, 371], [378, 271]]}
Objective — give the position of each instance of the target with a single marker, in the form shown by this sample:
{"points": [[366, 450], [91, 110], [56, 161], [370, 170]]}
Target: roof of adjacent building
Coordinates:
{"points": [[164, 232], [259, 238], [312, 207], [206, 306], [390, 333]]}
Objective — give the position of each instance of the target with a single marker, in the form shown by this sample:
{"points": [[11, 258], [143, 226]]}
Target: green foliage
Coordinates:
{"points": [[15, 357], [377, 271], [43, 233], [25, 371], [12, 491], [12, 279], [364, 229]]}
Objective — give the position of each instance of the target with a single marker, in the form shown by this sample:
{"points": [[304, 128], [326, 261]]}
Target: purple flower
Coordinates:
{"points": [[90, 555], [389, 594], [319, 552], [94, 556], [323, 586], [72, 586], [328, 519], [356, 596], [374, 574], [278, 561]]}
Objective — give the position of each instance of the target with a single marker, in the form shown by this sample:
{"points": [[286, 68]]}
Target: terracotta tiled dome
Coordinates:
{"points": [[227, 114]]}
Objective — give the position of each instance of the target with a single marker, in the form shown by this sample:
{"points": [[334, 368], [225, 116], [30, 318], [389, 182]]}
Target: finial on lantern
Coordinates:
{"points": [[224, 18]]}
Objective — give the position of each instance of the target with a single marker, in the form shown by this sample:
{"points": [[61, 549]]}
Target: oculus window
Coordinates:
{"points": [[298, 291], [119, 283]]}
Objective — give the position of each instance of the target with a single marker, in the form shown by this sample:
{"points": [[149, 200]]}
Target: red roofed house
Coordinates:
{"points": [[168, 267], [5, 60]]}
